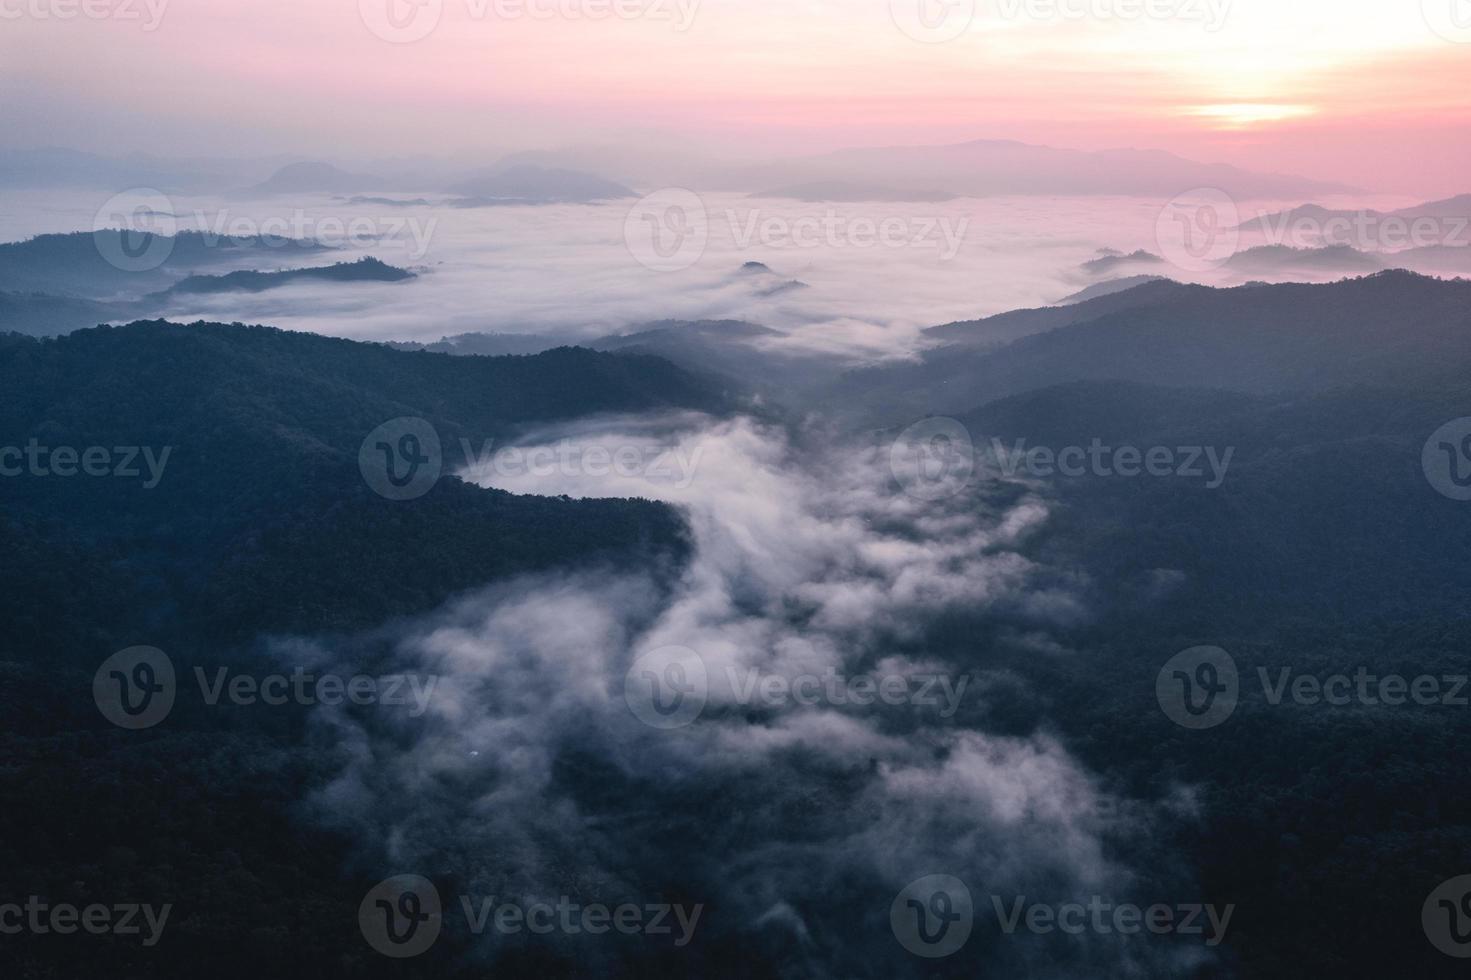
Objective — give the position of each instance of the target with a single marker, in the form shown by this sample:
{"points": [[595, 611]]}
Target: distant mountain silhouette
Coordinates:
{"points": [[1110, 260], [1107, 288], [1450, 207], [86, 263], [390, 202], [42, 315], [721, 329], [530, 184], [1314, 214], [1006, 327], [484, 344], [315, 177], [1392, 329], [782, 288], [1284, 227], [770, 283], [1452, 260], [56, 167], [364, 270], [1284, 259], [992, 167], [734, 354], [841, 191]]}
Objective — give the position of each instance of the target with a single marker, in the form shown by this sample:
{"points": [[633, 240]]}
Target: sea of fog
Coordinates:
{"points": [[795, 817], [874, 273]]}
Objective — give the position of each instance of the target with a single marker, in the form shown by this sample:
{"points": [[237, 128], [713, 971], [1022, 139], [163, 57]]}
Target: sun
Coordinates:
{"points": [[1244, 115]]}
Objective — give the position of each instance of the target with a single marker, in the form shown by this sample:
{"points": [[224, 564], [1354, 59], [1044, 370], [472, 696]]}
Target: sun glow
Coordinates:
{"points": [[1241, 115]]}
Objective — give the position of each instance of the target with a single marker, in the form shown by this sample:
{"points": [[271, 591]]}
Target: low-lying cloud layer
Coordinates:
{"points": [[551, 763], [577, 272]]}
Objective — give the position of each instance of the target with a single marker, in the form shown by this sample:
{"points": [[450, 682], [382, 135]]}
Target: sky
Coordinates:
{"points": [[1368, 92]]}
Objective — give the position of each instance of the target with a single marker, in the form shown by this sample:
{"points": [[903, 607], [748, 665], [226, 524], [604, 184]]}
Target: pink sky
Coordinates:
{"points": [[1363, 91]]}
